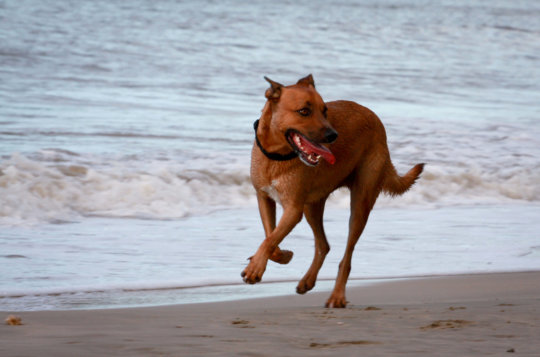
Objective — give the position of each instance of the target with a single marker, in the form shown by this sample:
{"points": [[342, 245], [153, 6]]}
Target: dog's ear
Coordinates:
{"points": [[307, 81], [274, 92]]}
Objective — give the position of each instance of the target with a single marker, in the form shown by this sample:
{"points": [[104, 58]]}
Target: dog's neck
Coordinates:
{"points": [[276, 151], [272, 155]]}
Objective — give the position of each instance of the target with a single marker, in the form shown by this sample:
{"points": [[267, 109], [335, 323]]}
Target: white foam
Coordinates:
{"points": [[33, 190]]}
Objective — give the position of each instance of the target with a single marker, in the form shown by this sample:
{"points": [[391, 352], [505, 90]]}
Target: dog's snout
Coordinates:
{"points": [[330, 135]]}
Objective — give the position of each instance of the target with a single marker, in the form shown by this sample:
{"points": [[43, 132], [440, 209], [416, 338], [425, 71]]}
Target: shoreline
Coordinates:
{"points": [[161, 296], [459, 314]]}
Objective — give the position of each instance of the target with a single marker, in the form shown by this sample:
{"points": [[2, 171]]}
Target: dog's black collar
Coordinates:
{"points": [[272, 155]]}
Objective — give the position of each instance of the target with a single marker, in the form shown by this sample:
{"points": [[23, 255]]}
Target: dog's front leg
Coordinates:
{"points": [[267, 210], [292, 214]]}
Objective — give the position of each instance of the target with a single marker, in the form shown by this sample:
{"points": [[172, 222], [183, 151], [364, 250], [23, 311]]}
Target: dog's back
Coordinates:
{"points": [[362, 143]]}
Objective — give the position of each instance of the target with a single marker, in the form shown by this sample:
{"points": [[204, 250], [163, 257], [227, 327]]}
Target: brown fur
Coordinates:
{"points": [[362, 164]]}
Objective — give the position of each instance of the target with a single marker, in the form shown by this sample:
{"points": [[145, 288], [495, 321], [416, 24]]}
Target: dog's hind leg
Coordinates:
{"points": [[364, 192], [267, 210], [314, 215]]}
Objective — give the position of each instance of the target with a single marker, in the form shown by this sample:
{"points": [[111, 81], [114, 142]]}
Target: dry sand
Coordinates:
{"points": [[468, 315]]}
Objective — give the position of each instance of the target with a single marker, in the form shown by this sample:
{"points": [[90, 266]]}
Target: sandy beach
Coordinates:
{"points": [[465, 315]]}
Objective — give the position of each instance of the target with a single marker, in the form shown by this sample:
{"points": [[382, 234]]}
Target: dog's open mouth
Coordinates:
{"points": [[309, 152]]}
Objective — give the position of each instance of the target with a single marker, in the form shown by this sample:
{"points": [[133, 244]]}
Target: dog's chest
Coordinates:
{"points": [[272, 190]]}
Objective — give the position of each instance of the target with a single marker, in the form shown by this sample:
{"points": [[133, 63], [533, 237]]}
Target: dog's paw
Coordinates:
{"points": [[253, 272], [305, 285], [282, 256], [336, 301], [250, 278]]}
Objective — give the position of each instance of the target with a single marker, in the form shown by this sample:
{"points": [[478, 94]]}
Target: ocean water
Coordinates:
{"points": [[126, 130]]}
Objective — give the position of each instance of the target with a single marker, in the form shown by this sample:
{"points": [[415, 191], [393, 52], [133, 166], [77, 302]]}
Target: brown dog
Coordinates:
{"points": [[298, 159]]}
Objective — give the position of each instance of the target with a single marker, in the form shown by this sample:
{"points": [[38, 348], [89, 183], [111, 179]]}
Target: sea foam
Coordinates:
{"points": [[34, 191]]}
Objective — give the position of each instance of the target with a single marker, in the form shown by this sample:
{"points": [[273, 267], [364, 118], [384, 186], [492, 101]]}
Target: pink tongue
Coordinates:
{"points": [[320, 150]]}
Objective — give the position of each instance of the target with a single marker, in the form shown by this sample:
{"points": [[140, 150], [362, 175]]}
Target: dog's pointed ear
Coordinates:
{"points": [[307, 81], [274, 92]]}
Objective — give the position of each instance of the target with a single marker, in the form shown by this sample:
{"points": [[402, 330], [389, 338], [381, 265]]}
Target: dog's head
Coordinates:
{"points": [[299, 115]]}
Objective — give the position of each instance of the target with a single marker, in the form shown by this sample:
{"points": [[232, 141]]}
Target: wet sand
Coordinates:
{"points": [[465, 315]]}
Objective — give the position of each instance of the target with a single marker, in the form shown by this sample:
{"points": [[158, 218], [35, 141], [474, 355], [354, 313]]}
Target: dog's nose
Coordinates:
{"points": [[330, 135]]}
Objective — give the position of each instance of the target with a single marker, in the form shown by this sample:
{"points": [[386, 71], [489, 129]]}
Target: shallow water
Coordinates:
{"points": [[104, 262], [126, 129]]}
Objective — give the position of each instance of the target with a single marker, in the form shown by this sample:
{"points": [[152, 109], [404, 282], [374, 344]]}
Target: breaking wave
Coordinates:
{"points": [[37, 191], [33, 190]]}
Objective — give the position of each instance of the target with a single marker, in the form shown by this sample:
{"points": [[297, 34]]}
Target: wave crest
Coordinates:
{"points": [[33, 190]]}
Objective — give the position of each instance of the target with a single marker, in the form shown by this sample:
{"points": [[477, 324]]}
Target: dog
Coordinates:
{"points": [[304, 149]]}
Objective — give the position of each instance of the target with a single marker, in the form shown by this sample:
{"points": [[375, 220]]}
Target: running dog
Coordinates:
{"points": [[305, 149]]}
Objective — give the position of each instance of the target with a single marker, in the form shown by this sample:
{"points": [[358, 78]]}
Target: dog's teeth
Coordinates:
{"points": [[314, 158]]}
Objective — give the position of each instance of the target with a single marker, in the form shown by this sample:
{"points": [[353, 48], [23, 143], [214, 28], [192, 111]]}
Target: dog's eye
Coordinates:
{"points": [[304, 112]]}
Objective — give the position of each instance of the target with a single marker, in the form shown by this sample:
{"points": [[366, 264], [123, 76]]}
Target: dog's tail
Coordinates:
{"points": [[396, 185]]}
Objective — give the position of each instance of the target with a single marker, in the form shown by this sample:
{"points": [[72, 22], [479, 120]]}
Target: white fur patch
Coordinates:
{"points": [[272, 191]]}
